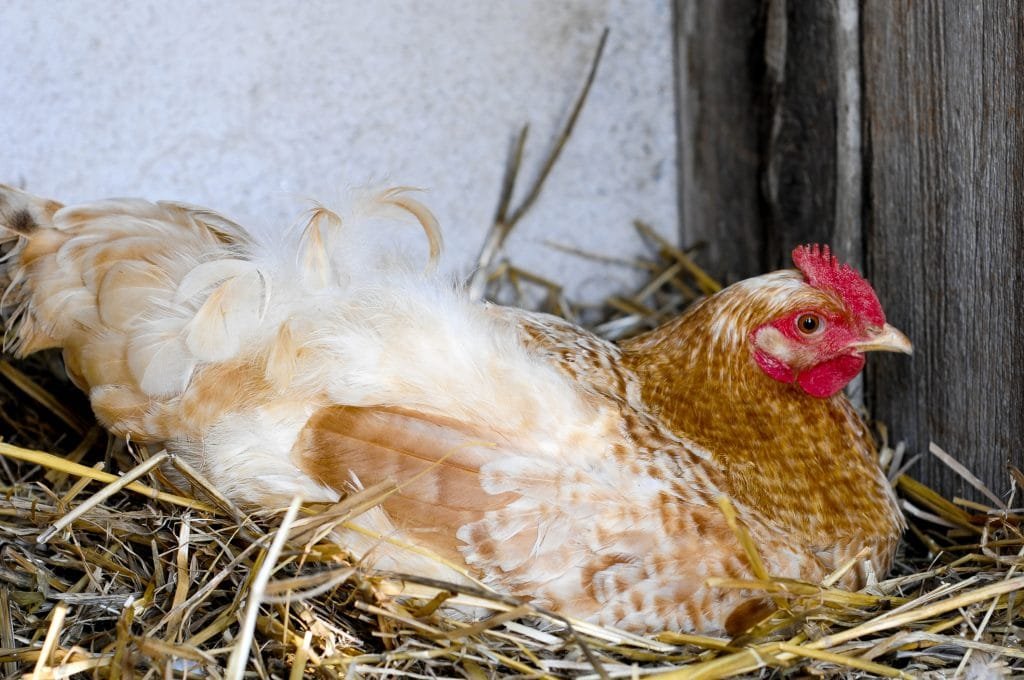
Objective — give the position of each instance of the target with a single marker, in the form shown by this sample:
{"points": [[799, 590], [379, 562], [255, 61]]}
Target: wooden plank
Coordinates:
{"points": [[769, 130], [719, 83], [944, 173], [799, 174]]}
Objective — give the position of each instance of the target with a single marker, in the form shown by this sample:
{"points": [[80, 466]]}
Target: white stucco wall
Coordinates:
{"points": [[251, 106]]}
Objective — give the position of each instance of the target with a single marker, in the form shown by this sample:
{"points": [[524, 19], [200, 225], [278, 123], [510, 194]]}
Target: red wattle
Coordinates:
{"points": [[829, 377]]}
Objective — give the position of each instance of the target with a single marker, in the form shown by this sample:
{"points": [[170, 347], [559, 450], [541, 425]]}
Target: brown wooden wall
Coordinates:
{"points": [[893, 129]]}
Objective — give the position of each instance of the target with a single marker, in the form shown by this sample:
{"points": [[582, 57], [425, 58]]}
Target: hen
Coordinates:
{"points": [[528, 453]]}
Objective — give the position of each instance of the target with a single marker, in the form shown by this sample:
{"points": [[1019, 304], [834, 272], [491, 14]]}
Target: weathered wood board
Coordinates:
{"points": [[944, 226]]}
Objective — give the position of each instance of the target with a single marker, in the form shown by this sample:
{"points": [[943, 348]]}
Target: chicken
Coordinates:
{"points": [[527, 453]]}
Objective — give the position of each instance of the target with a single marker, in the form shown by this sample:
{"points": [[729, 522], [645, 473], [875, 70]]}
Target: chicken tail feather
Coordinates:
{"points": [[22, 214], [24, 219]]}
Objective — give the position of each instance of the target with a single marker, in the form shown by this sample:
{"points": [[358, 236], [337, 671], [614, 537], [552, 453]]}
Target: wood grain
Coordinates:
{"points": [[944, 227], [720, 76], [799, 128], [763, 123]]}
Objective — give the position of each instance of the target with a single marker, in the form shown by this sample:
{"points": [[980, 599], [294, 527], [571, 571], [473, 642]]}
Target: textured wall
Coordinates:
{"points": [[250, 107]]}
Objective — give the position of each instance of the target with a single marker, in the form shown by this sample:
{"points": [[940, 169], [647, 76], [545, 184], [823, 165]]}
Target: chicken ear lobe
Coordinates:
{"points": [[433, 461]]}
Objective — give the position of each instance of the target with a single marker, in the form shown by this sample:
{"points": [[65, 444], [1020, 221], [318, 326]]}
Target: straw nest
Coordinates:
{"points": [[129, 575]]}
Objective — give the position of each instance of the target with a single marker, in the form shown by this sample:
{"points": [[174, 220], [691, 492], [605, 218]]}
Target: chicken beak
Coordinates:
{"points": [[886, 340]]}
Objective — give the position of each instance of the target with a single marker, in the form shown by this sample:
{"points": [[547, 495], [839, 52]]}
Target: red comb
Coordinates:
{"points": [[822, 270]]}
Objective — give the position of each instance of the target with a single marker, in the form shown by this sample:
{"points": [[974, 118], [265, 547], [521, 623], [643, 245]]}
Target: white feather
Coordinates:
{"points": [[208, 274], [227, 318], [159, 358]]}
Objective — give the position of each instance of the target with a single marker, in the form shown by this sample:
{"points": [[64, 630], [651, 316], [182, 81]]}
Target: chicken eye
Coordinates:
{"points": [[809, 323]]}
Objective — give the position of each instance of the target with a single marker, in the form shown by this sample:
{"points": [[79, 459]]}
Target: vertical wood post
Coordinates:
{"points": [[944, 219], [720, 64], [769, 130]]}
